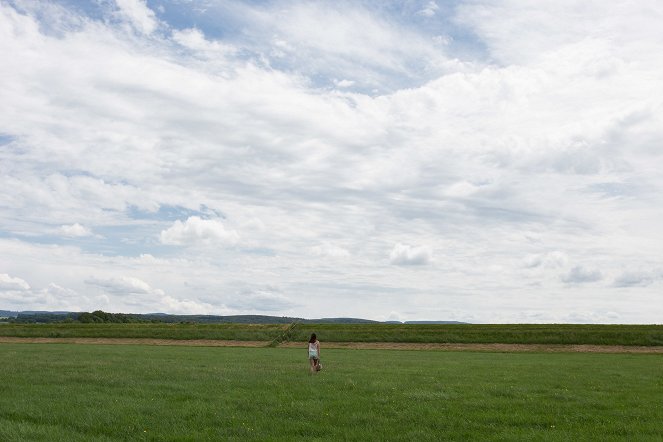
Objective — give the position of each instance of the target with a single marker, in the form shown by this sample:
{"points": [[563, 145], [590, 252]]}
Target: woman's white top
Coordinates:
{"points": [[313, 349]]}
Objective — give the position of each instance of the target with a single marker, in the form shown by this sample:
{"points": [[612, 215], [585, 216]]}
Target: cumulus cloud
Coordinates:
{"points": [[171, 304], [194, 39], [128, 293], [61, 293], [580, 275], [429, 10], [404, 254], [330, 250], [554, 259], [461, 189], [343, 83], [268, 299], [10, 283], [18, 294], [591, 317], [138, 14], [255, 224], [124, 285], [634, 279], [546, 28], [75, 230], [394, 317], [197, 231]]}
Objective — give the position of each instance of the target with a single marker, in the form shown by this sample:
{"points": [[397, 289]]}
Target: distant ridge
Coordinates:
{"points": [[8, 314], [341, 321], [99, 316]]}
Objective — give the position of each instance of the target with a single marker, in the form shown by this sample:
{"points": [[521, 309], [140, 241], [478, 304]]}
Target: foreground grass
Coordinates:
{"points": [[108, 393], [648, 335]]}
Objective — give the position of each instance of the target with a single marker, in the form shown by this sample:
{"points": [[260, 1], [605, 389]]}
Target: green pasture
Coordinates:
{"points": [[52, 392], [241, 332], [648, 335]]}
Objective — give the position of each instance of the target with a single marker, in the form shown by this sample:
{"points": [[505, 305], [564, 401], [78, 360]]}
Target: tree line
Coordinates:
{"points": [[97, 316]]}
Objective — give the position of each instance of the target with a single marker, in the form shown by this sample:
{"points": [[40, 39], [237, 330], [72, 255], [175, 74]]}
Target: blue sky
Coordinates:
{"points": [[480, 161]]}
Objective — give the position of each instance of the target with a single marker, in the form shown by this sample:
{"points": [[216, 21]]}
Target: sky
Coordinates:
{"points": [[481, 161]]}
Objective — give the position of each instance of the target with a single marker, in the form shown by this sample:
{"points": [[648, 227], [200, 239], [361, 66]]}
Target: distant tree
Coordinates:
{"points": [[101, 316], [85, 318]]}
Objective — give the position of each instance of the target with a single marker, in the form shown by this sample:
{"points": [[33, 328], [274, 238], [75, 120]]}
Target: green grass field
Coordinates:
{"points": [[648, 335], [53, 392]]}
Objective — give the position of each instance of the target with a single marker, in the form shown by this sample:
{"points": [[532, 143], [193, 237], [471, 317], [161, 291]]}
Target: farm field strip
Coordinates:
{"points": [[490, 347], [135, 341], [509, 348], [546, 334]]}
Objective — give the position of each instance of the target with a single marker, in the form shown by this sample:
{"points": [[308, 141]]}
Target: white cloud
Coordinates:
{"points": [[394, 316], [429, 10], [634, 279], [330, 250], [404, 254], [128, 293], [442, 40], [580, 275], [124, 285], [170, 304], [10, 283], [591, 317], [344, 83], [266, 299], [554, 259], [548, 27], [75, 230], [197, 231], [138, 14], [61, 293], [348, 41], [255, 224], [17, 294], [461, 189], [194, 39]]}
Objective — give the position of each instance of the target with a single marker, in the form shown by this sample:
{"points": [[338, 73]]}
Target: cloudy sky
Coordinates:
{"points": [[469, 160]]}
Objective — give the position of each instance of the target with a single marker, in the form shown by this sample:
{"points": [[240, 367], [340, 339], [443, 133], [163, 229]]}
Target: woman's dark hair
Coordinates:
{"points": [[313, 338]]}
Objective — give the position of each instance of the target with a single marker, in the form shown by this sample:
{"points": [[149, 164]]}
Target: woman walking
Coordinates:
{"points": [[314, 353]]}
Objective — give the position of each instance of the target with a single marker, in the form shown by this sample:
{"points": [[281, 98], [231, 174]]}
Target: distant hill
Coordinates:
{"points": [[8, 314], [99, 316], [214, 319], [340, 321], [248, 319]]}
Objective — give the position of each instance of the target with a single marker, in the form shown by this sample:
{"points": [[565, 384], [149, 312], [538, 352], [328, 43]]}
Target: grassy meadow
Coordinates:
{"points": [[648, 335], [113, 393]]}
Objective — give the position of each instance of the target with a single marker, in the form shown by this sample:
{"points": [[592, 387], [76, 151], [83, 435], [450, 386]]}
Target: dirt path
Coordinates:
{"points": [[545, 348]]}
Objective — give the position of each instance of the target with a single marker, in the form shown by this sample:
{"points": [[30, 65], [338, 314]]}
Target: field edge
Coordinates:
{"points": [[475, 347]]}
